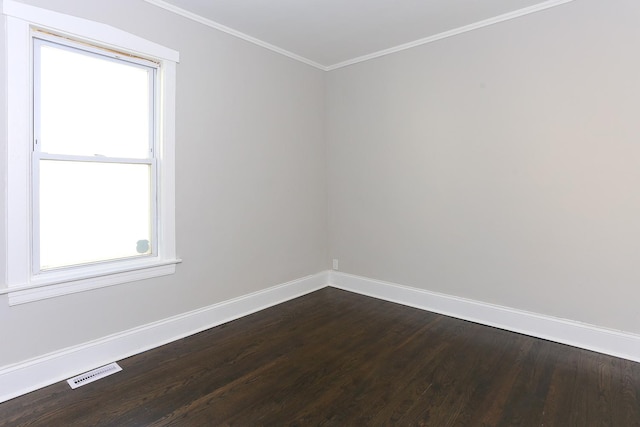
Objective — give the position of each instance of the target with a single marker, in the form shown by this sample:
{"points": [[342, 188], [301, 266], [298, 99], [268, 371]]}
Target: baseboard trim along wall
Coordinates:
{"points": [[27, 376], [576, 334], [24, 377]]}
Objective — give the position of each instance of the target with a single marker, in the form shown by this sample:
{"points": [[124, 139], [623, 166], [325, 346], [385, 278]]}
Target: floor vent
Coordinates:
{"points": [[94, 375]]}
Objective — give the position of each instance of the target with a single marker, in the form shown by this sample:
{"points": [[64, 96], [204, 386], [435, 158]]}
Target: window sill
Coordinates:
{"points": [[57, 284]]}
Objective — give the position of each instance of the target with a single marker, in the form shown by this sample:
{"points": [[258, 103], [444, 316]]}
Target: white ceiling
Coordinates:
{"points": [[333, 33]]}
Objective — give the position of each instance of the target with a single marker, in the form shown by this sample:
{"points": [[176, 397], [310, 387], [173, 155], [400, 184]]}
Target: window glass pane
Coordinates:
{"points": [[91, 105], [93, 212]]}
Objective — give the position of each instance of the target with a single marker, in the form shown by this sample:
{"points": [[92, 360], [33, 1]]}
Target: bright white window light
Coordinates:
{"points": [[94, 196], [92, 105], [91, 212]]}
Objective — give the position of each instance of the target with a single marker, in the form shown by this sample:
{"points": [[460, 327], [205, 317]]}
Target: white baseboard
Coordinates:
{"points": [[24, 377], [576, 334], [39, 372]]}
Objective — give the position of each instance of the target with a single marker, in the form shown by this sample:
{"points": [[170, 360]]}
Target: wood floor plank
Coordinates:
{"points": [[334, 358]]}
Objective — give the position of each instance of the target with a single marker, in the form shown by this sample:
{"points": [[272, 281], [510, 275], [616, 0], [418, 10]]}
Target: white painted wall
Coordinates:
{"points": [[501, 165], [251, 184]]}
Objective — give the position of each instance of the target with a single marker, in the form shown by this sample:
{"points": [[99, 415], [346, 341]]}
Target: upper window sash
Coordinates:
{"points": [[119, 59]]}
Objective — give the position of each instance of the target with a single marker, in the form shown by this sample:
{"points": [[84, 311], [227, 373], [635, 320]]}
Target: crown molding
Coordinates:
{"points": [[446, 34], [450, 33], [213, 24]]}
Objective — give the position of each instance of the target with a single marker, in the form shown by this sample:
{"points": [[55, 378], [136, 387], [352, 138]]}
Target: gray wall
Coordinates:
{"points": [[501, 165], [251, 184]]}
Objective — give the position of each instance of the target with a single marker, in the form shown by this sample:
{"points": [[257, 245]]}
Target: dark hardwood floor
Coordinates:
{"points": [[334, 358]]}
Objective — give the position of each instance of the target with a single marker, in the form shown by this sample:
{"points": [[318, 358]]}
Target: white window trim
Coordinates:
{"points": [[22, 285]]}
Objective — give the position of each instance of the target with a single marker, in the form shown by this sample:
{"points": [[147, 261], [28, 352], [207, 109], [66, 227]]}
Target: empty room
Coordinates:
{"points": [[339, 213]]}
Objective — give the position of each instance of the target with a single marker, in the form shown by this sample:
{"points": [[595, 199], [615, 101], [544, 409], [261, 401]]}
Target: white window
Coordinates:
{"points": [[91, 155]]}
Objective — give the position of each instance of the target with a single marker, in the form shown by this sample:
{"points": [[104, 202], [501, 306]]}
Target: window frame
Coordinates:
{"points": [[23, 285], [40, 39]]}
